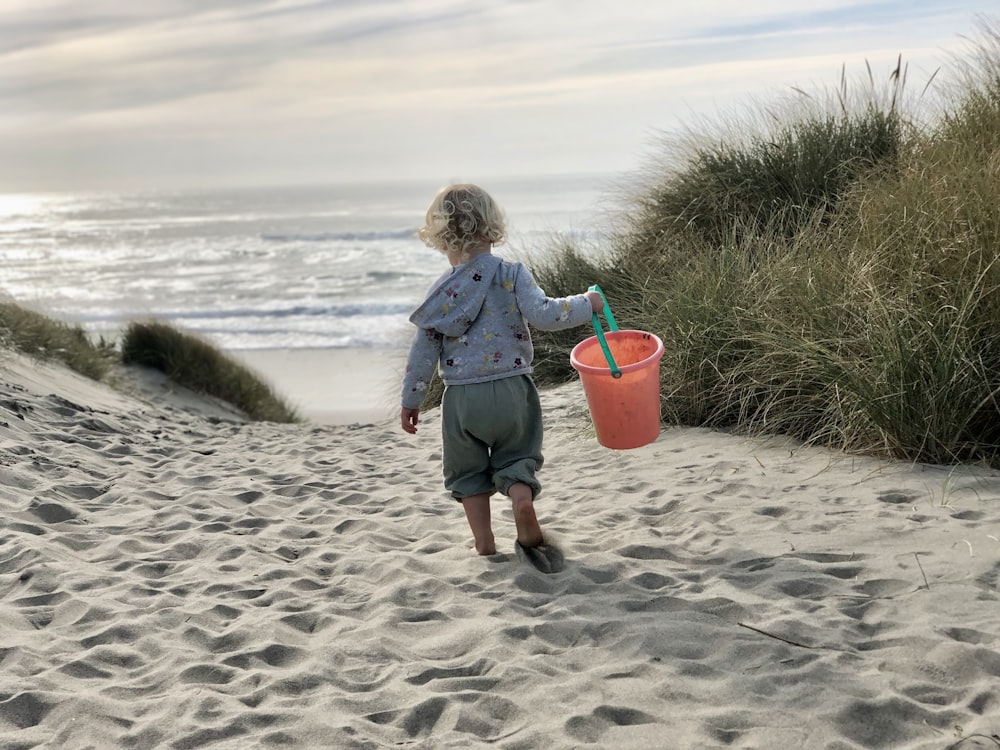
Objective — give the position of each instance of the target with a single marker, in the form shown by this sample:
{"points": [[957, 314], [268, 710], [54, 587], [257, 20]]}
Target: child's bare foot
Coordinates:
{"points": [[529, 533], [487, 548]]}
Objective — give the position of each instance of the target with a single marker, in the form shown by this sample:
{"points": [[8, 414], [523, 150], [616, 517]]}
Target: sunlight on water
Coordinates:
{"points": [[329, 266], [15, 205], [22, 212]]}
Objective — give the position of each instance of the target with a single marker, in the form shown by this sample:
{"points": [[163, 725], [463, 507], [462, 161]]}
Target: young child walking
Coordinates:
{"points": [[473, 327]]}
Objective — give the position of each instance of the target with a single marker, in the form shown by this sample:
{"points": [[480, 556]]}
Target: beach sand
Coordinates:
{"points": [[174, 577], [333, 386]]}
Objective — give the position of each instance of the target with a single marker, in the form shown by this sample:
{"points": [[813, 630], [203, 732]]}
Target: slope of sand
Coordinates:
{"points": [[333, 386], [172, 577]]}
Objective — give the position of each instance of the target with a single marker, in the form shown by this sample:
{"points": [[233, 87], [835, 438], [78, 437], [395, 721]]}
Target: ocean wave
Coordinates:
{"points": [[239, 340], [283, 267], [387, 275], [372, 236], [279, 329], [340, 310]]}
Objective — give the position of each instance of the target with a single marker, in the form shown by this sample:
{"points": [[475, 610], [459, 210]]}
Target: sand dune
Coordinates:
{"points": [[173, 577]]}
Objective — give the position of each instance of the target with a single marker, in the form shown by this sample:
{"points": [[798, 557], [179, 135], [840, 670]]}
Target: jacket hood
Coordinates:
{"points": [[456, 299]]}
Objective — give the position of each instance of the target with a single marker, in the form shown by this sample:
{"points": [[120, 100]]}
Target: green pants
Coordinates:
{"points": [[492, 436]]}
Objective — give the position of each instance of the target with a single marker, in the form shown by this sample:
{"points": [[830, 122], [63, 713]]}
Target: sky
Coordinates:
{"points": [[116, 94]]}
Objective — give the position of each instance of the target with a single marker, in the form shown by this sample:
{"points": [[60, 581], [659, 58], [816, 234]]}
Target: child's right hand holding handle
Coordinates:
{"points": [[595, 299]]}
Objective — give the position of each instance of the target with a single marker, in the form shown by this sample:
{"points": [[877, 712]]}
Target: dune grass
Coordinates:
{"points": [[200, 366], [45, 338], [833, 275], [183, 357]]}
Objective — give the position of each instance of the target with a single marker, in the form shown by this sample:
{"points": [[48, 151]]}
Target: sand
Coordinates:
{"points": [[333, 386], [174, 577]]}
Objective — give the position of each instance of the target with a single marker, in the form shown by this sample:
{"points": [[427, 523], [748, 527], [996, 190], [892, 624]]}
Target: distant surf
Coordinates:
{"points": [[299, 267]]}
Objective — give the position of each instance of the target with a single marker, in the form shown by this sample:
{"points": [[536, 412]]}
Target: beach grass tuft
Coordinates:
{"points": [[45, 338], [198, 365], [182, 357], [831, 274]]}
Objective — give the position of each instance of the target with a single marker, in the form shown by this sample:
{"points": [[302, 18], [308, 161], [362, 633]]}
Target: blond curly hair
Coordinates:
{"points": [[460, 217]]}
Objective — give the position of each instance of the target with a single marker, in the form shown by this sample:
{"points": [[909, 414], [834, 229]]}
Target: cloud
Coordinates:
{"points": [[397, 84], [88, 60]]}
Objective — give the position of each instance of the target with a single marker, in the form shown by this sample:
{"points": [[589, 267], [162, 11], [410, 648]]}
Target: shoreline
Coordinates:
{"points": [[332, 386]]}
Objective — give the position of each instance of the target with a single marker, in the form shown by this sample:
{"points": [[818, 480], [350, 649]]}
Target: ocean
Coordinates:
{"points": [[314, 267]]}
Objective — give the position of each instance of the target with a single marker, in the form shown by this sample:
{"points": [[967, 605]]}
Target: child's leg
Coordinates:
{"points": [[529, 533], [477, 511]]}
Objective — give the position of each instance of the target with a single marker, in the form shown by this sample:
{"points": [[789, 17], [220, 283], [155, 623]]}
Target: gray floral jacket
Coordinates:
{"points": [[474, 325]]}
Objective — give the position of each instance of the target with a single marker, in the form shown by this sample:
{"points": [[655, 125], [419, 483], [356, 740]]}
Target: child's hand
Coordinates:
{"points": [[408, 418], [596, 300]]}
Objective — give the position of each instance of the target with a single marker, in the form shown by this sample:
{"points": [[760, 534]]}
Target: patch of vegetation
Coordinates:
{"points": [[834, 276], [184, 358], [43, 338], [203, 368]]}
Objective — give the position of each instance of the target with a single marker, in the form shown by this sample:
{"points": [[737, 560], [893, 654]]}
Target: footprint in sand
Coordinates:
{"points": [[545, 558]]}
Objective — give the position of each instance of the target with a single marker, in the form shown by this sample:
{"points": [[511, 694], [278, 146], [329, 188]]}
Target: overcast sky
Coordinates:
{"points": [[172, 93]]}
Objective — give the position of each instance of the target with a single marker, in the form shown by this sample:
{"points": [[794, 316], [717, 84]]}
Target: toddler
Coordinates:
{"points": [[473, 326]]}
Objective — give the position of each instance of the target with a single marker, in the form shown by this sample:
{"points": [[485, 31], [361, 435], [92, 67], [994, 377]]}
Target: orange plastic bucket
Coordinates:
{"points": [[626, 409]]}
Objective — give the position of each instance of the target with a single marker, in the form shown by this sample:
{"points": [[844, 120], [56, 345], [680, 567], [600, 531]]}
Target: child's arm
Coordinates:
{"points": [[553, 313], [423, 358]]}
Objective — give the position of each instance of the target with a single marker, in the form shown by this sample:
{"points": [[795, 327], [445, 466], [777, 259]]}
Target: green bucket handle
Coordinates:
{"points": [[612, 326]]}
